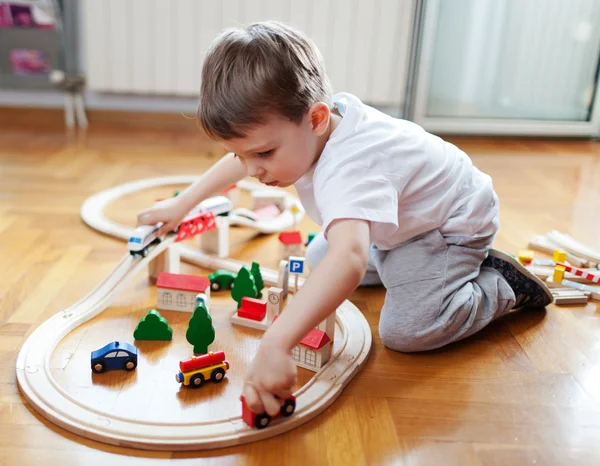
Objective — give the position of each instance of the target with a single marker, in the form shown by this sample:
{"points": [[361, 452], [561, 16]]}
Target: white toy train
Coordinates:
{"points": [[146, 235]]}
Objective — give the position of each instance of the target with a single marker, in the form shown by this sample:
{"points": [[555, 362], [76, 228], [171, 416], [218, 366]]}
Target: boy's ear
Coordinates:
{"points": [[319, 118]]}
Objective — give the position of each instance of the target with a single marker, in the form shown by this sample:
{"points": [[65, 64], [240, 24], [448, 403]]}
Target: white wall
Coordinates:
{"points": [[147, 54]]}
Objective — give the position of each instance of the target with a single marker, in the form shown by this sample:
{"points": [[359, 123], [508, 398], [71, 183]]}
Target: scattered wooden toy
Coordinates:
{"points": [[221, 280], [195, 224], [262, 420], [525, 256], [200, 332], [296, 266], [258, 280], [559, 274], [313, 351], [260, 199], [267, 212], [566, 296], [243, 285], [216, 241], [310, 237], [291, 244], [592, 277], [142, 238], [283, 278], [153, 326], [177, 292], [256, 313], [115, 355], [543, 244], [559, 255], [194, 371]]}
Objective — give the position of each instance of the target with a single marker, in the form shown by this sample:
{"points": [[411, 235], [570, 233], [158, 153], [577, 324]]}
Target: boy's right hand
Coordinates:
{"points": [[169, 211]]}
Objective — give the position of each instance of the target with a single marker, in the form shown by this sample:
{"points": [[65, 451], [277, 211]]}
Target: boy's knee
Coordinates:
{"points": [[410, 339]]}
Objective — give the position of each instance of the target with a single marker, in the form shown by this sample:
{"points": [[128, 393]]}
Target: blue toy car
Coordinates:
{"points": [[115, 355]]}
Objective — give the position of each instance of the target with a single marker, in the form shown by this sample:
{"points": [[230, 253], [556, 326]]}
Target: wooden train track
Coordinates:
{"points": [[46, 396]]}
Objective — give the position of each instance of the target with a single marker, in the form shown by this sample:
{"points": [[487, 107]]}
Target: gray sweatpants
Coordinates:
{"points": [[437, 291]]}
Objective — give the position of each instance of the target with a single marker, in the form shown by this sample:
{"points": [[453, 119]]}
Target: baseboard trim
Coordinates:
{"points": [[52, 119]]}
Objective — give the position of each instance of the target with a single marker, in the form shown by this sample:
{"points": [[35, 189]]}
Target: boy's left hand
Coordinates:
{"points": [[270, 379]]}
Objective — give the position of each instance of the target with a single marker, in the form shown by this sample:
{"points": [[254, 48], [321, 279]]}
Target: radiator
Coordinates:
{"points": [[157, 46]]}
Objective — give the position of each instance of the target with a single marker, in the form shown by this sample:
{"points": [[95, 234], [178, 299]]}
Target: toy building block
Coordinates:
{"points": [[274, 298], [193, 372], [592, 277], [177, 292], [253, 309], [259, 199], [115, 355], [525, 256], [559, 274], [313, 351], [328, 325], [565, 297], [167, 261], [543, 244], [216, 241], [296, 268], [267, 212], [559, 255], [258, 280], [243, 286], [594, 291], [200, 332], [291, 244], [253, 315], [284, 277], [153, 326]]}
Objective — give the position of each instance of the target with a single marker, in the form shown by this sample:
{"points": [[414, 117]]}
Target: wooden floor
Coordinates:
{"points": [[526, 390]]}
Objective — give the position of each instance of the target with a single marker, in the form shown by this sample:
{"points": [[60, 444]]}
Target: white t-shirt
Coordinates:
{"points": [[395, 175]]}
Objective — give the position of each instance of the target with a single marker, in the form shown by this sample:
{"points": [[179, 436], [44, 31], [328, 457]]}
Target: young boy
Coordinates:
{"points": [[388, 195]]}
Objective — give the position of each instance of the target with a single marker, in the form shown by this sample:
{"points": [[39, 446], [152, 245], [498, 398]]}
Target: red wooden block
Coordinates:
{"points": [[253, 309]]}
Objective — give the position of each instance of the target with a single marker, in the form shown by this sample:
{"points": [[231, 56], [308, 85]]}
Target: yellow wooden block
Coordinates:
{"points": [[525, 256], [559, 255], [559, 274]]}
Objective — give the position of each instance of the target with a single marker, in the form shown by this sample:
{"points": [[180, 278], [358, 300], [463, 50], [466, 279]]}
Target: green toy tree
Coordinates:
{"points": [[258, 280], [153, 327], [200, 332], [243, 285]]}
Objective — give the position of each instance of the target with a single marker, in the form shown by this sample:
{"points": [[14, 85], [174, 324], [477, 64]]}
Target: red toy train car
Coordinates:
{"points": [[262, 420]]}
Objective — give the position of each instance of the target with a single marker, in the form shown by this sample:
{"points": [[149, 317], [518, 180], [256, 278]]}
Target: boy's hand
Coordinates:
{"points": [[169, 211], [270, 379]]}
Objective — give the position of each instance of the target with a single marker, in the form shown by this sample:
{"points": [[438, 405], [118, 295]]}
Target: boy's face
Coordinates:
{"points": [[280, 151]]}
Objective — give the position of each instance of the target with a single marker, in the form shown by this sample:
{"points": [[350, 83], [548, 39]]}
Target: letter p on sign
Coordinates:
{"points": [[296, 265]]}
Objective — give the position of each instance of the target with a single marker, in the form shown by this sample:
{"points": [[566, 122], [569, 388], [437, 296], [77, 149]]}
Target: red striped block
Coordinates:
{"points": [[580, 273]]}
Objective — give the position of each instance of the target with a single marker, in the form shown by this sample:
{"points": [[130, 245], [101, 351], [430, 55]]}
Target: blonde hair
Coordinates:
{"points": [[251, 73]]}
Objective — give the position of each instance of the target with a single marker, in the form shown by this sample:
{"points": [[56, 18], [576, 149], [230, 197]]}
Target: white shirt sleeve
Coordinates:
{"points": [[351, 193]]}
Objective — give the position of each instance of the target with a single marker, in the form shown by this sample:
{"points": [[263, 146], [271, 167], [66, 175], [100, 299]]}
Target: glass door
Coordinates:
{"points": [[509, 67]]}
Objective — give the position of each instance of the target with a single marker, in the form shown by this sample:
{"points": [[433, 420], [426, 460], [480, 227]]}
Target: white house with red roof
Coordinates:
{"points": [[313, 351], [291, 243], [178, 292]]}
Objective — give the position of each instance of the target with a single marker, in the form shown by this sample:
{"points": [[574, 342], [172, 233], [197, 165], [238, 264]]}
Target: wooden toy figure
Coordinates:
{"points": [[243, 286], [153, 327], [200, 332], [258, 280]]}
